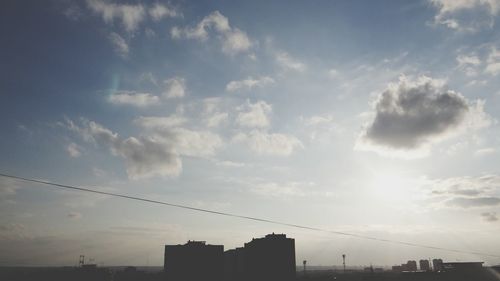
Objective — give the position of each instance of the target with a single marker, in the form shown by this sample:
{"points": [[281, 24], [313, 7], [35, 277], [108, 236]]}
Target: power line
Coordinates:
{"points": [[124, 196]]}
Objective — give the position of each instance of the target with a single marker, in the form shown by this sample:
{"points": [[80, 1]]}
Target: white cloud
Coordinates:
{"points": [[290, 189], [485, 151], [493, 62], [410, 115], [466, 15], [133, 98], [233, 39], [174, 88], [216, 119], [119, 44], [289, 63], [333, 73], [159, 11], [248, 83], [212, 114], [158, 153], [73, 150], [269, 143], [468, 64], [129, 15], [154, 122], [254, 115], [316, 120]]}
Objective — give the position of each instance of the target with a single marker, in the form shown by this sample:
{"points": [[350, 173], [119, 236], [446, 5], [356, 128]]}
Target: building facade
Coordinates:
{"points": [[194, 261], [269, 258]]}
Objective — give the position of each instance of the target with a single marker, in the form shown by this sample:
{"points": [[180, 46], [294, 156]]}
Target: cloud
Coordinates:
{"points": [[216, 119], [466, 15], [248, 83], [212, 115], [489, 217], [316, 120], [157, 153], [333, 73], [468, 64], [73, 150], [233, 39], [474, 202], [119, 44], [412, 114], [174, 88], [289, 189], [129, 15], [485, 151], [269, 143], [133, 98], [8, 187], [254, 115], [154, 122], [75, 216], [288, 63], [467, 192], [493, 62], [320, 128], [159, 11]]}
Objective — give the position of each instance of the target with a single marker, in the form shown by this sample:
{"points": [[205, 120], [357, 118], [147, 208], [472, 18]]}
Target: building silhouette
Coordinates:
{"points": [[462, 266], [234, 264], [437, 264], [194, 261], [269, 258], [411, 266], [425, 265]]}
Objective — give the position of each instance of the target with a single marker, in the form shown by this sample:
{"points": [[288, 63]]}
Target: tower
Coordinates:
{"points": [[343, 261]]}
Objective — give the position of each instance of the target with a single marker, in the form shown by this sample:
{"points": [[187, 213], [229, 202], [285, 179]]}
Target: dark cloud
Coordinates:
{"points": [[489, 217], [409, 114], [156, 154], [464, 202]]}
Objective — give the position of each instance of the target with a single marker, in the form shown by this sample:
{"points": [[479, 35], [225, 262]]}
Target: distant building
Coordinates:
{"points": [[437, 264], [397, 268], [268, 258], [424, 265], [194, 261], [411, 266], [462, 266], [408, 266]]}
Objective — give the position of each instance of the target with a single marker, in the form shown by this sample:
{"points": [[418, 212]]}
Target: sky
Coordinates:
{"points": [[377, 118]]}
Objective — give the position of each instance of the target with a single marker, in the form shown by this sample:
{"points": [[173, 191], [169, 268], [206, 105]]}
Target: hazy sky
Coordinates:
{"points": [[377, 118]]}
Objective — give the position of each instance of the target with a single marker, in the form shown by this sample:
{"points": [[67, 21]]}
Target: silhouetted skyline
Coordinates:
{"points": [[360, 128]]}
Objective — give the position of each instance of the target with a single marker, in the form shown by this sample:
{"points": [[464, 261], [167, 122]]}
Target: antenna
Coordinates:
{"points": [[343, 261]]}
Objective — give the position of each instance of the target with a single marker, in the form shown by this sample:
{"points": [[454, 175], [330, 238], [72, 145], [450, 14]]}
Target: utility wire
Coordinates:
{"points": [[124, 196]]}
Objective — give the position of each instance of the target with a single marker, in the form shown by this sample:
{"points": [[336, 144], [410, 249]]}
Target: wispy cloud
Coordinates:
{"points": [[233, 40], [249, 83], [133, 98]]}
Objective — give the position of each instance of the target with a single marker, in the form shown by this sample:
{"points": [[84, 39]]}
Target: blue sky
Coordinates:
{"points": [[372, 117]]}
